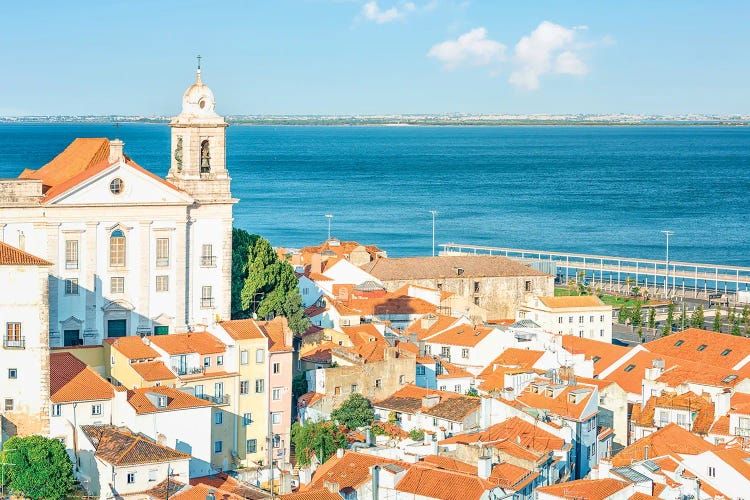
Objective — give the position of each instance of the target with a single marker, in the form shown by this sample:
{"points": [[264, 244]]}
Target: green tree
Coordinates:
{"points": [[241, 243], [416, 434], [652, 317], [698, 318], [636, 314], [472, 392], [355, 412], [624, 314], [320, 439], [670, 315], [736, 327], [682, 320], [717, 319], [41, 467], [667, 330], [746, 316], [299, 385], [730, 315], [640, 332], [270, 287]]}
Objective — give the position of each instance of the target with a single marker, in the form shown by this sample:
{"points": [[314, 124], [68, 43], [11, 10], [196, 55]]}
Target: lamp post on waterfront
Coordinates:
{"points": [[434, 213], [666, 267], [329, 217]]}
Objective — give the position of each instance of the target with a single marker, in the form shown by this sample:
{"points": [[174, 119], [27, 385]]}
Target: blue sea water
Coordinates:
{"points": [[603, 190]]}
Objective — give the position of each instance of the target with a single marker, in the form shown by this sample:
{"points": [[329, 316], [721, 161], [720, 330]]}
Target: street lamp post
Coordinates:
{"points": [[666, 267], [329, 217], [434, 213]]}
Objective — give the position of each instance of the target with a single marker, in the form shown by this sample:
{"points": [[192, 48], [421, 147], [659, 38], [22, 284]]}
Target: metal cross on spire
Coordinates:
{"points": [[199, 60]]}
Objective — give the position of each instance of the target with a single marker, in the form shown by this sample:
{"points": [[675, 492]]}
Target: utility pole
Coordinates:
{"points": [[666, 267], [329, 217], [433, 212]]}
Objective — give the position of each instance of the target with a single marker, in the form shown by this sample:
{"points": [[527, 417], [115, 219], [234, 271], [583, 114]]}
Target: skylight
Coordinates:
{"points": [[725, 352], [629, 368], [596, 358], [702, 346], [679, 343], [729, 378]]}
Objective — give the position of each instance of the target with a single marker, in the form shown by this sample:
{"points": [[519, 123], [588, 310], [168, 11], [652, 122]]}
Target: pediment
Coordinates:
{"points": [[118, 305], [122, 184]]}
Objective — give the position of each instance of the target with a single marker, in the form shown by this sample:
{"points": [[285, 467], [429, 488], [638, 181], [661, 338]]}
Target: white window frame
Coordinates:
{"points": [[162, 283], [276, 394], [117, 284], [96, 409], [162, 252], [71, 254]]}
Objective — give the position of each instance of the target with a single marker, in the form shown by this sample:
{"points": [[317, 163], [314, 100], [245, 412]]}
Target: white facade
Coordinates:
{"points": [[588, 321], [67, 417], [131, 252]]}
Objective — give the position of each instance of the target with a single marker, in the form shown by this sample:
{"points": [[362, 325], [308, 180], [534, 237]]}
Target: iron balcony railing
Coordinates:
{"points": [[14, 343], [219, 400]]}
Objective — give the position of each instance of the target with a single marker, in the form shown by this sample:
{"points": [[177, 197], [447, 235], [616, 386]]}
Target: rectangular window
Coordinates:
{"points": [[219, 360], [162, 283], [207, 255], [259, 353], [476, 287], [152, 474], [244, 386], [591, 319], [117, 249], [251, 446], [428, 350], [580, 319], [681, 419], [207, 296], [559, 320], [443, 387], [219, 390], [243, 357], [56, 410], [117, 284], [420, 369], [354, 388], [276, 394], [570, 319], [13, 338], [131, 477], [276, 417], [712, 472], [162, 252], [71, 254], [276, 367], [247, 419], [527, 286], [198, 391], [378, 383], [71, 286], [465, 353], [218, 445], [445, 352], [12, 373], [8, 404], [206, 361], [218, 418], [336, 390], [601, 318], [457, 388], [96, 409], [260, 385], [401, 379]]}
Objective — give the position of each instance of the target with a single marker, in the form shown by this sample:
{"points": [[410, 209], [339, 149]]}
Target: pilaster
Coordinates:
{"points": [[181, 291], [92, 288], [144, 277], [53, 285]]}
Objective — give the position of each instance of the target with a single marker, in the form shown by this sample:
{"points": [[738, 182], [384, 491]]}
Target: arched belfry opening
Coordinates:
{"points": [[205, 157]]}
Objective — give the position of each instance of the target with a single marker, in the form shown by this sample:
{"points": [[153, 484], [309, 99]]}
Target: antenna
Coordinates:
{"points": [[199, 60]]}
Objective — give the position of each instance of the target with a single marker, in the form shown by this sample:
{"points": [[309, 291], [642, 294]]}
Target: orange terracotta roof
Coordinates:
{"points": [[721, 426], [642, 496], [629, 375], [319, 354], [315, 310], [12, 256], [317, 494], [242, 329], [339, 248], [429, 482], [308, 399], [81, 154], [669, 440], [606, 354], [740, 403], [590, 489], [133, 347], [514, 358], [572, 301], [515, 429], [153, 371], [736, 458], [277, 331], [461, 335], [451, 406], [410, 268], [364, 333], [720, 349], [120, 447], [226, 483], [351, 471], [200, 491], [495, 380], [176, 400], [699, 373], [71, 381], [510, 476], [434, 323], [560, 405], [319, 277], [448, 463], [185, 343], [702, 407], [453, 371], [389, 304]]}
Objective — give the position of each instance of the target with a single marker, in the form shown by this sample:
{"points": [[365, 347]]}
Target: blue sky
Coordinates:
{"points": [[366, 57]]}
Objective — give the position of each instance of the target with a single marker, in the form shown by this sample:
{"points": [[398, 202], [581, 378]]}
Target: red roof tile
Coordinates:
{"points": [[590, 489], [120, 447], [430, 482], [185, 343], [12, 256], [133, 347], [242, 329], [71, 380], [176, 400], [514, 429], [668, 440], [153, 371]]}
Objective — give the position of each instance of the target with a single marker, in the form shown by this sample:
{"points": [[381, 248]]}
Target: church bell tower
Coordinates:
{"points": [[198, 164]]}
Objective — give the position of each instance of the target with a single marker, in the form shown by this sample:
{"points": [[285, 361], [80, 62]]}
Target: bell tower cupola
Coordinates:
{"points": [[198, 164]]}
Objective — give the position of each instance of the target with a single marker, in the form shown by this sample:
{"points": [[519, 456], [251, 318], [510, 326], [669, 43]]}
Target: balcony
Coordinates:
{"points": [[219, 400], [182, 371], [742, 431], [14, 343], [208, 261], [207, 302]]}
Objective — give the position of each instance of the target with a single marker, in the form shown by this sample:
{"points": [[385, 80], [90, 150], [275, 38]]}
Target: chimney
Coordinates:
{"points": [[332, 486], [316, 265], [304, 475], [508, 394], [376, 482], [645, 452], [340, 453], [430, 400], [115, 150], [484, 467], [210, 495], [722, 402]]}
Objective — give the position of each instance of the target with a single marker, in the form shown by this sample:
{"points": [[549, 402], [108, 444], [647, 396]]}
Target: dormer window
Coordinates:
{"points": [[162, 402], [205, 158]]}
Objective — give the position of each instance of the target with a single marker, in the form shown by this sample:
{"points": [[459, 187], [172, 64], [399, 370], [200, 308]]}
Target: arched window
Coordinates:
{"points": [[117, 248], [205, 158]]}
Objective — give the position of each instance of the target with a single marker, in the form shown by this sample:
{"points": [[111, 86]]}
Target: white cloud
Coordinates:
{"points": [[472, 48], [372, 12], [549, 49]]}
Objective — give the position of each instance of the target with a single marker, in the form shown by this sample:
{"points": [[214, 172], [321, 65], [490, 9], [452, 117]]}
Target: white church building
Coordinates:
{"points": [[132, 253]]}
